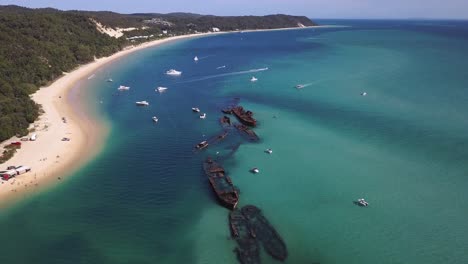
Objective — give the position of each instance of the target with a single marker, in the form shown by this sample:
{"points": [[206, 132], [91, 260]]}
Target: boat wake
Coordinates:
{"points": [[224, 75], [91, 76]]}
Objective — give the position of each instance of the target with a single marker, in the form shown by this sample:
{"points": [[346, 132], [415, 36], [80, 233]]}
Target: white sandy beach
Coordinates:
{"points": [[50, 158]]}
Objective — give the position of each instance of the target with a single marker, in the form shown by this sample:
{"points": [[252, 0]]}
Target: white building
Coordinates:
{"points": [[215, 29]]}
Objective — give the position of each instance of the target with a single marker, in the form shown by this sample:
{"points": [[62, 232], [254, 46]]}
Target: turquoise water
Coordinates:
{"points": [[403, 147]]}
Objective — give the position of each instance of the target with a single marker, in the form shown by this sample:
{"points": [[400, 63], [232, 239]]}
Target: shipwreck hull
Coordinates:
{"points": [[248, 248], [265, 232], [221, 184]]}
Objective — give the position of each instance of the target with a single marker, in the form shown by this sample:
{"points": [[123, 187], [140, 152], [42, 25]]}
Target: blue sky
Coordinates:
{"points": [[455, 9]]}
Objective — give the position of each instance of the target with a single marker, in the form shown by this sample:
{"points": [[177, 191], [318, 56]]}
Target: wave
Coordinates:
{"points": [[224, 75]]}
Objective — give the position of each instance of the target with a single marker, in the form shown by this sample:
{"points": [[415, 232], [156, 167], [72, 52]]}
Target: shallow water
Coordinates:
{"points": [[403, 146]]}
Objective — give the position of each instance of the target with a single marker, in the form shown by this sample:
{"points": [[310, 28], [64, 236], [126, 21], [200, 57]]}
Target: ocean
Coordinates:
{"points": [[403, 147]]}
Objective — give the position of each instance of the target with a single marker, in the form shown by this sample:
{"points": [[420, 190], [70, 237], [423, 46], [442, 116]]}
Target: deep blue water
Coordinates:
{"points": [[145, 199]]}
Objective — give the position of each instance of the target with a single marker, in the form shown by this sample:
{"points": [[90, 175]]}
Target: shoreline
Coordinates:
{"points": [[51, 159]]}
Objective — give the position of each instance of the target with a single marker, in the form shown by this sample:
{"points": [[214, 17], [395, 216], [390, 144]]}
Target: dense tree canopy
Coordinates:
{"points": [[35, 48]]}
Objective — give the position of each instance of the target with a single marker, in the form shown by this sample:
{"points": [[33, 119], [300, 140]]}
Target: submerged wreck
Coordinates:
{"points": [[245, 117], [245, 130], [248, 248], [221, 184], [265, 232], [225, 121]]}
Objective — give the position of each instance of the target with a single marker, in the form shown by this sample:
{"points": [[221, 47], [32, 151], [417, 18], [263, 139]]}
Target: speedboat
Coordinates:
{"points": [[364, 94], [161, 89], [269, 151], [362, 202], [142, 103], [203, 116], [155, 119], [196, 109], [221, 67], [110, 80], [173, 72], [123, 88], [300, 86], [253, 79], [196, 58], [255, 170]]}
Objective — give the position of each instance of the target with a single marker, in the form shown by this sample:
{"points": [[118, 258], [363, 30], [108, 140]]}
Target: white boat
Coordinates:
{"points": [[363, 94], [221, 67], [269, 151], [255, 170], [123, 88], [155, 119], [362, 202], [110, 80], [203, 116], [300, 86], [173, 72], [142, 103], [196, 109], [253, 79], [161, 89], [196, 58]]}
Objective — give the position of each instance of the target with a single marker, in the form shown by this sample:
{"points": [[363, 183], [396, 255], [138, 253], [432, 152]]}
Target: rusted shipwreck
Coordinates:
{"points": [[250, 228], [246, 131], [245, 117], [221, 184], [248, 249], [225, 121]]}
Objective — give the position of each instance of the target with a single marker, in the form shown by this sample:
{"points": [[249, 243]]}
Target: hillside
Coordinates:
{"points": [[38, 45]]}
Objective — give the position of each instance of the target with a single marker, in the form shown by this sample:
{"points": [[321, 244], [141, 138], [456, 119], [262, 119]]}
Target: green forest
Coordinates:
{"points": [[38, 45]]}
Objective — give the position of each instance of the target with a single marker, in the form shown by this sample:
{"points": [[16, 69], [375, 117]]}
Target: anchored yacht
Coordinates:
{"points": [[173, 72]]}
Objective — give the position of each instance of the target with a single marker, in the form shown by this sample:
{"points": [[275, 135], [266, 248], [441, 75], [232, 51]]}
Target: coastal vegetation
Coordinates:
{"points": [[39, 45]]}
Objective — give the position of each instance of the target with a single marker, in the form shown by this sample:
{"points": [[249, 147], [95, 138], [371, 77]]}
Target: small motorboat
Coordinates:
{"points": [[221, 67], [196, 58], [363, 94], [362, 202], [203, 116], [255, 170], [269, 151], [253, 79], [202, 145], [300, 86], [123, 88], [142, 103], [155, 119], [110, 80], [173, 72], [196, 109], [161, 89]]}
